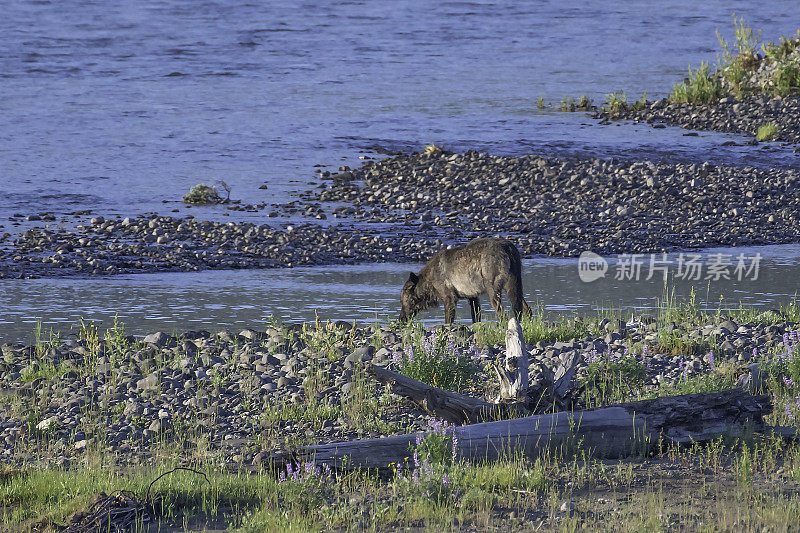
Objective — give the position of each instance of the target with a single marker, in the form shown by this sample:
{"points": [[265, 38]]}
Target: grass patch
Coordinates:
{"points": [[700, 87], [768, 132]]}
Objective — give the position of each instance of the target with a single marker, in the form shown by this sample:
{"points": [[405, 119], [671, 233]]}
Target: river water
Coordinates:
{"points": [[221, 299], [120, 108]]}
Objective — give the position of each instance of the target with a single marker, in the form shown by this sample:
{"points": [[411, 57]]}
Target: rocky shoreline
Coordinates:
{"points": [[241, 395], [407, 207], [727, 115]]}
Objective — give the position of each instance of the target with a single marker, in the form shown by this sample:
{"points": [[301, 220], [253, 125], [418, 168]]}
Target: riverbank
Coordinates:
{"points": [[230, 399], [407, 207], [753, 90]]}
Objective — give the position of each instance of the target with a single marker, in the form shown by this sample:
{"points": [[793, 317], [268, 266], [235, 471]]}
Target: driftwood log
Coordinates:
{"points": [[514, 377], [614, 431]]}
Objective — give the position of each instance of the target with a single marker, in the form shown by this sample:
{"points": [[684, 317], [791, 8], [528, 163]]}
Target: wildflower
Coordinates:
{"points": [[396, 358], [644, 351], [711, 359], [455, 445], [789, 413], [416, 459], [419, 439], [282, 477], [415, 477], [426, 346], [309, 467], [409, 353], [445, 479], [327, 469], [682, 367], [755, 353], [788, 382]]}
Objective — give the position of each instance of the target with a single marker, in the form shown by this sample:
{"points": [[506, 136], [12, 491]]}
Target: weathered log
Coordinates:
{"points": [[447, 405], [614, 431], [514, 377]]}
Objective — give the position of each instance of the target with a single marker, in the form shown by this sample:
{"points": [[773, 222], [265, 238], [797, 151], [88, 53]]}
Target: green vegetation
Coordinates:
{"points": [[540, 103], [584, 103], [615, 102], [437, 359], [768, 132], [432, 149], [733, 73], [202, 194], [751, 483]]}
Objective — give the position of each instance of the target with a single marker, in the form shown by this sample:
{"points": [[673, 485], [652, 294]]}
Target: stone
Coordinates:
{"points": [[159, 339]]}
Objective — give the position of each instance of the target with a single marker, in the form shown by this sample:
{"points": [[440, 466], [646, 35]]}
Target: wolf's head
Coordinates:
{"points": [[415, 298]]}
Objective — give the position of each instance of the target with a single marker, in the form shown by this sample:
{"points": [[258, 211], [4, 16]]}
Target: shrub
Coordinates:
{"points": [[767, 132], [699, 87], [437, 361], [202, 194]]}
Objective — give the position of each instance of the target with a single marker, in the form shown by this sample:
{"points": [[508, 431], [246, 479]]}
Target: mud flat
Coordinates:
{"points": [[405, 208]]}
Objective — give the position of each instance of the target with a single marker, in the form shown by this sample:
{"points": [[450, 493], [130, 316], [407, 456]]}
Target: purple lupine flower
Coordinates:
{"points": [[789, 413], [426, 346], [644, 351], [419, 439], [289, 469], [711, 359], [788, 382], [282, 477], [399, 468], [396, 358], [416, 459], [409, 353], [755, 353], [445, 479], [415, 477], [327, 469], [309, 467], [682, 367], [455, 445], [593, 357]]}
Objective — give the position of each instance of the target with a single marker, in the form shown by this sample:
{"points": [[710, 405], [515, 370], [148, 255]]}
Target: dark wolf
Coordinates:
{"points": [[483, 266]]}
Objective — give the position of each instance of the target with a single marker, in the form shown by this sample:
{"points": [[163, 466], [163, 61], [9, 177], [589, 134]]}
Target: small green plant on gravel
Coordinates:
{"points": [[700, 87], [437, 360], [615, 103], [535, 328], [768, 132], [540, 103], [734, 65], [202, 194], [584, 103], [641, 103], [611, 378], [432, 149]]}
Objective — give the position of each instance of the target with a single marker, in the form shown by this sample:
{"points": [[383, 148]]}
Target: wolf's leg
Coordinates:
{"points": [[518, 304], [495, 299], [475, 309], [450, 308]]}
